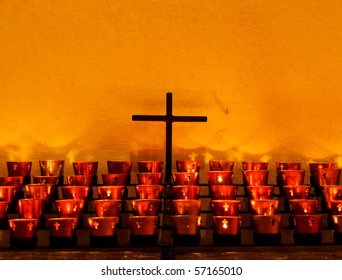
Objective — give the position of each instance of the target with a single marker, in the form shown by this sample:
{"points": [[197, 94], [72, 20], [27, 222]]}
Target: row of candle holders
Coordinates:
{"points": [[145, 224]]}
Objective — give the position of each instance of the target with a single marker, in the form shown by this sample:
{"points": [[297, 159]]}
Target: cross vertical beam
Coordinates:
{"points": [[168, 137]]}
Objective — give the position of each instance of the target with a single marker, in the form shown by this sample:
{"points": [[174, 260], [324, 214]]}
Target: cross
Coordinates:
{"points": [[109, 192], [73, 192], [115, 179], [149, 166], [30, 226], [311, 221], [96, 225], [225, 224], [169, 119], [57, 225]]}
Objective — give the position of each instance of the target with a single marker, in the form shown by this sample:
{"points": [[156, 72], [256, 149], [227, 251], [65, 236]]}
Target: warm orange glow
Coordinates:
{"points": [[267, 75]]}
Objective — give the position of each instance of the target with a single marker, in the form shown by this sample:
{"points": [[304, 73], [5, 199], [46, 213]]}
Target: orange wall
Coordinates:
{"points": [[266, 73]]}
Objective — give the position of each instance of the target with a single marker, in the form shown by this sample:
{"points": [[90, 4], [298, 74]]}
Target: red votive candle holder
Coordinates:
{"points": [[254, 165], [149, 191], [190, 166], [266, 229], [186, 191], [143, 230], [185, 178], [223, 191], [107, 207], [111, 192], [150, 178], [187, 206], [221, 165], [103, 231], [62, 232], [146, 207], [227, 230], [220, 177], [23, 233], [20, 168], [226, 207]]}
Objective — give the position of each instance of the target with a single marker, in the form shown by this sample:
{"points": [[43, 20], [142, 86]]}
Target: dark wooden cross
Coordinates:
{"points": [[169, 119]]}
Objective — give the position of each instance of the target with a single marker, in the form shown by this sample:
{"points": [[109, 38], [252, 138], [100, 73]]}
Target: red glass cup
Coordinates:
{"points": [[42, 191], [146, 207], [319, 165], [259, 192], [53, 180], [120, 167], [103, 226], [150, 178], [8, 193], [23, 228], [111, 192], [85, 168], [290, 177], [265, 207], [221, 165], [144, 225], [280, 166], [82, 180], [186, 191], [69, 207], [31, 208], [327, 176], [103, 231], [115, 179], [303, 206], [336, 207], [227, 225], [226, 207], [51, 167], [17, 181], [149, 191], [296, 192], [185, 178], [307, 223], [107, 207], [220, 177], [266, 224], [150, 166], [75, 192], [255, 177], [329, 193], [4, 209], [20, 168], [186, 224], [254, 165], [223, 191], [189, 166], [187, 206], [62, 227]]}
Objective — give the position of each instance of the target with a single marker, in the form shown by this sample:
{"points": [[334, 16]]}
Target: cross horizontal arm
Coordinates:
{"points": [[190, 119], [148, 118]]}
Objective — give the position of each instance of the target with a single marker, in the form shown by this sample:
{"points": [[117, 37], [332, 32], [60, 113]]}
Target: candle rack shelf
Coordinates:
{"points": [[164, 247]]}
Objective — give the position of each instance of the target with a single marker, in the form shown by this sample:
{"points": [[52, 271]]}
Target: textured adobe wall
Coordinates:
{"points": [[266, 73]]}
